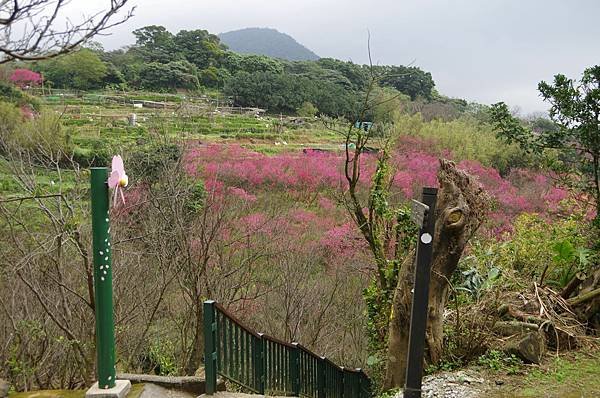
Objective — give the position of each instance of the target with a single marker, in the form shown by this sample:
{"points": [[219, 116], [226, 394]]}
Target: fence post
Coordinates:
{"points": [[295, 369], [359, 384], [321, 377], [210, 347], [368, 387], [103, 294], [345, 383], [261, 363], [420, 299]]}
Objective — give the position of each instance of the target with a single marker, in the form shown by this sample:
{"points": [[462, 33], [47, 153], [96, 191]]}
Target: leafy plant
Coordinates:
{"points": [[499, 361], [475, 284], [569, 260], [162, 354]]}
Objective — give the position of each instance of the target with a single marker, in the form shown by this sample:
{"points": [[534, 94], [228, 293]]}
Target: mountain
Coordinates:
{"points": [[266, 41]]}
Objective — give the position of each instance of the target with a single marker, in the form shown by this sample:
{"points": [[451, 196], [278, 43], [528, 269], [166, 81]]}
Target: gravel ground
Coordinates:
{"points": [[462, 384]]}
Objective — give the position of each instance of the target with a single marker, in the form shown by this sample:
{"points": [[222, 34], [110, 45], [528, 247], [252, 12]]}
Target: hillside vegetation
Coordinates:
{"points": [[252, 181]]}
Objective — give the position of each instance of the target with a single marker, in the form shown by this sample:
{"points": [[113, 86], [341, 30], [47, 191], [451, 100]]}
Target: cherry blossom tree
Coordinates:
{"points": [[25, 78]]}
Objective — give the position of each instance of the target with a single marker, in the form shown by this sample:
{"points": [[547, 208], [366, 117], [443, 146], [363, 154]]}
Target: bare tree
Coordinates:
{"points": [[39, 29]]}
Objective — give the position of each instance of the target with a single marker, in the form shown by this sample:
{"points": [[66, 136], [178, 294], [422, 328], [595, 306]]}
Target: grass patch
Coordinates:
{"points": [[577, 376], [136, 390], [574, 375]]}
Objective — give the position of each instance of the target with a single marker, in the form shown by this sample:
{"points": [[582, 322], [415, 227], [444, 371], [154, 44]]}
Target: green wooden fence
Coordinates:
{"points": [[264, 364]]}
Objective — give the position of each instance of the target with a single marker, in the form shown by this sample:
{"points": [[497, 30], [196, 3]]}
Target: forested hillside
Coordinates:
{"points": [[269, 42], [198, 61]]}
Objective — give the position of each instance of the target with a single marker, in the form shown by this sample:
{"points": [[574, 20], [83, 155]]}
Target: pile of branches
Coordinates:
{"points": [[526, 324], [545, 310]]}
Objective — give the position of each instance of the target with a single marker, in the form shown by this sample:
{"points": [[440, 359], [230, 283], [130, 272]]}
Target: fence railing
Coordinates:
{"points": [[266, 365]]}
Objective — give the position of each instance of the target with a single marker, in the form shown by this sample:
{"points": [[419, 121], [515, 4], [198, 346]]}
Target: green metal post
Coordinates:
{"points": [[295, 369], [105, 329], [210, 347]]}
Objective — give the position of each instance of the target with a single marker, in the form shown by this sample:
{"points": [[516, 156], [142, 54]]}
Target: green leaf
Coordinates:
{"points": [[564, 251], [373, 360]]}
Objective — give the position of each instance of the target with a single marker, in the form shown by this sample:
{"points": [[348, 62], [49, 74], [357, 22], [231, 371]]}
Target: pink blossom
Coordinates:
{"points": [[118, 179], [25, 78], [242, 194]]}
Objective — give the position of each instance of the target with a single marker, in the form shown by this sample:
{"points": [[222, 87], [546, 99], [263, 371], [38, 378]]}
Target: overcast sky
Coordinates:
{"points": [[480, 50]]}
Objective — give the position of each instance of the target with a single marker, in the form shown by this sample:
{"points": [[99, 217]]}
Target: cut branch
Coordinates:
{"points": [[583, 298]]}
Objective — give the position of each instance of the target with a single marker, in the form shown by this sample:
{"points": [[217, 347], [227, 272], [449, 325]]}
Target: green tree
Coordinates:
{"points": [[128, 62], [411, 80], [82, 70], [357, 75], [234, 63], [575, 109], [199, 47], [170, 76], [316, 72], [285, 92], [114, 77], [214, 77], [155, 44]]}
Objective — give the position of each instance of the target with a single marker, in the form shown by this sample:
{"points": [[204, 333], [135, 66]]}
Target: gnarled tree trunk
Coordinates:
{"points": [[460, 208]]}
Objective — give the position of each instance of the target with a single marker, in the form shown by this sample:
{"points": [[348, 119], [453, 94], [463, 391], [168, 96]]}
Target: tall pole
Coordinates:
{"points": [[420, 303], [105, 331]]}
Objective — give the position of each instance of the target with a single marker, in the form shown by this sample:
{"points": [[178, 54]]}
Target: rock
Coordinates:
{"points": [[530, 347], [4, 387], [499, 382]]}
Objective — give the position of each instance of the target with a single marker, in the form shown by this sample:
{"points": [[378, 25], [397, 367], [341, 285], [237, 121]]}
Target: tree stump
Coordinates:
{"points": [[460, 209], [588, 309], [530, 347]]}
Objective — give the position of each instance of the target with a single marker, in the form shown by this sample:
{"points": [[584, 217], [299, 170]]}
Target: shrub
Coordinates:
{"points": [[43, 135], [149, 162], [163, 357], [14, 95], [536, 247], [97, 156], [307, 109], [10, 118], [466, 139]]}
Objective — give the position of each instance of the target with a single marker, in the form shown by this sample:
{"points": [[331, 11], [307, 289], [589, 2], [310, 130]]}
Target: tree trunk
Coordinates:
{"points": [[587, 302], [460, 208], [195, 357]]}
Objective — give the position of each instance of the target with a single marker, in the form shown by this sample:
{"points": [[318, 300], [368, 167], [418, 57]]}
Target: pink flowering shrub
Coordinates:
{"points": [[309, 175], [242, 194], [24, 78], [306, 172]]}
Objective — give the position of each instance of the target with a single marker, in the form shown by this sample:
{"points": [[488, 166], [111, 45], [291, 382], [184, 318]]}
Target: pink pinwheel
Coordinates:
{"points": [[118, 179]]}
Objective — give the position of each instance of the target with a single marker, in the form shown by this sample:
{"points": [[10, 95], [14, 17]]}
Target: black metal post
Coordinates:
{"points": [[261, 364], [418, 318], [295, 370], [321, 377]]}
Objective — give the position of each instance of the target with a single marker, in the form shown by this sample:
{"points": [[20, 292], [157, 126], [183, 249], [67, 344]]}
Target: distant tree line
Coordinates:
{"points": [[196, 59]]}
